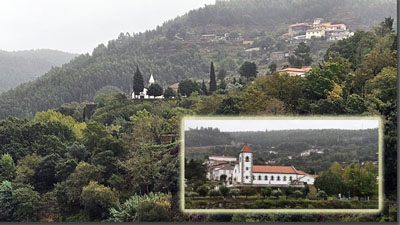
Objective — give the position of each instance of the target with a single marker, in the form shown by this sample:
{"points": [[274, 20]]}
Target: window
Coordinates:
{"points": [[290, 178], [247, 168], [266, 177], [254, 178], [284, 178], [272, 177], [247, 177], [259, 177], [247, 158], [278, 178]]}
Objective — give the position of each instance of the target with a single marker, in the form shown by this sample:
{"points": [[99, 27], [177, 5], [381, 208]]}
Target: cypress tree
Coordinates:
{"points": [[204, 88], [138, 83], [213, 82]]}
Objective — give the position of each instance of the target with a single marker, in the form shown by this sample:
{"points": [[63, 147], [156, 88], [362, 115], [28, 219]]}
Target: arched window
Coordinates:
{"points": [[266, 177], [284, 178], [259, 177], [290, 178], [247, 158], [247, 177], [272, 177], [278, 178], [247, 168]]}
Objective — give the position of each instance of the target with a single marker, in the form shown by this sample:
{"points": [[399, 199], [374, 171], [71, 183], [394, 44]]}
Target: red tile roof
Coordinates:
{"points": [[293, 70], [273, 169], [174, 86], [246, 148]]}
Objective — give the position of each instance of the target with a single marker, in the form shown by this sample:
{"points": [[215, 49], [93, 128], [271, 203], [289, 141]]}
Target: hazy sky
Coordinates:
{"points": [[78, 26], [262, 125]]}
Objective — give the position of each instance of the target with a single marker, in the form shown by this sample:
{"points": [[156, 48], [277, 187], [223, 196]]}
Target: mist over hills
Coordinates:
{"points": [[174, 51], [22, 66]]}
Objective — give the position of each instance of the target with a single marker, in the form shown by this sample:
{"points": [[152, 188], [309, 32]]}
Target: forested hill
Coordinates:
{"points": [[22, 66], [174, 50]]}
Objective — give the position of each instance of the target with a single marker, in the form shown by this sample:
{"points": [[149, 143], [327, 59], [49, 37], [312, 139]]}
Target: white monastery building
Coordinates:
{"points": [[244, 173]]}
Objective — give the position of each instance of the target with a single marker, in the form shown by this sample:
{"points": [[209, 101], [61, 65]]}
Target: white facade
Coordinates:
{"points": [[143, 94], [245, 173]]}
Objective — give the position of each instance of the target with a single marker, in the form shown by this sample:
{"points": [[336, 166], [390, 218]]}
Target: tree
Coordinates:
{"points": [[248, 70], [265, 192], [276, 193], [152, 212], [26, 167], [187, 87], [301, 56], [213, 82], [223, 177], [272, 67], [214, 193], [27, 203], [221, 74], [45, 175], [155, 90], [138, 83], [312, 194], [330, 182], [97, 199], [229, 106], [385, 27], [204, 88], [355, 104], [169, 93], [7, 168], [297, 194], [247, 191], [6, 202]]}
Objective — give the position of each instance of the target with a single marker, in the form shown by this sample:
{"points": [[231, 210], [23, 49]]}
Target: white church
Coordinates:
{"points": [[143, 94], [242, 172]]}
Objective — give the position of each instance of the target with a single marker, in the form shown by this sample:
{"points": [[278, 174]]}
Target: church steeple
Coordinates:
{"points": [[151, 80]]}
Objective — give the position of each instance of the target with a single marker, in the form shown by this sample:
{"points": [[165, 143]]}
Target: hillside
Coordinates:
{"points": [[345, 146], [22, 66], [174, 51]]}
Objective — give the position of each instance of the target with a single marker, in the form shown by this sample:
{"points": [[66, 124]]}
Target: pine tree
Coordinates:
{"points": [[138, 84], [204, 88], [213, 82]]}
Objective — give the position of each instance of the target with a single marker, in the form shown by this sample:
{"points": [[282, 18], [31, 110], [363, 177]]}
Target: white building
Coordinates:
{"points": [[143, 94], [245, 173]]}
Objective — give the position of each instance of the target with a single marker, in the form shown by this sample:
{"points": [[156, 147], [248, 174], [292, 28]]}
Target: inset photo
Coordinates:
{"points": [[285, 164]]}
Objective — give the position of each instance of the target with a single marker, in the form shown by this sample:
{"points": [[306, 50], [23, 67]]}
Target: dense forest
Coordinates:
{"points": [[344, 146], [23, 66], [109, 161], [171, 59]]}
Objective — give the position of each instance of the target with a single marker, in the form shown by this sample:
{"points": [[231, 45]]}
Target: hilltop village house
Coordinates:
{"points": [[319, 29], [302, 72], [242, 172], [143, 94]]}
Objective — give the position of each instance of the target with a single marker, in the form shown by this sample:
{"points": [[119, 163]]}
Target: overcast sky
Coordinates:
{"points": [[262, 125], [78, 26]]}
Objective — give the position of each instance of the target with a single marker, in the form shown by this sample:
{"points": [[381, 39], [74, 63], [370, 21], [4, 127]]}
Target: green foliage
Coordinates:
{"points": [[301, 56], [248, 70], [202, 190], [97, 199], [214, 193], [247, 191], [27, 202], [129, 210], [155, 90], [266, 192], [224, 191], [7, 168], [6, 201], [187, 87], [45, 174], [276, 193], [169, 93], [138, 83], [213, 82], [221, 74], [321, 195], [26, 167]]}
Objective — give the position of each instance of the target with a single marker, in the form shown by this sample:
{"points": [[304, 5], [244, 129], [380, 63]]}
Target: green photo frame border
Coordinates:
{"points": [[282, 211]]}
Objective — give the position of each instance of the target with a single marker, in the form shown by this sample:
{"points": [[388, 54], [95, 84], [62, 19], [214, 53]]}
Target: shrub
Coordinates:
{"points": [[266, 192], [202, 190], [276, 193], [247, 191], [152, 212], [235, 192], [214, 193], [224, 191], [321, 195], [297, 194]]}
